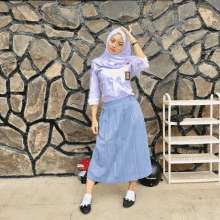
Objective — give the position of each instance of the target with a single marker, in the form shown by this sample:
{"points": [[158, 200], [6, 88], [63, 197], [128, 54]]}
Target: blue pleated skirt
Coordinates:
{"points": [[121, 153]]}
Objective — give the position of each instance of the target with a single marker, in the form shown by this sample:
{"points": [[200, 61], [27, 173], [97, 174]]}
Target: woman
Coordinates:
{"points": [[121, 152]]}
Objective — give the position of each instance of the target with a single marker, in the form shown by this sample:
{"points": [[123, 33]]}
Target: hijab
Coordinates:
{"points": [[109, 60]]}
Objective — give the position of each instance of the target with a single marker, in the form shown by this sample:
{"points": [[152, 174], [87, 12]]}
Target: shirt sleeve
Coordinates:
{"points": [[139, 64], [94, 92]]}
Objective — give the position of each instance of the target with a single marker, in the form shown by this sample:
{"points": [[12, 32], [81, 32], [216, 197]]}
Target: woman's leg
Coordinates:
{"points": [[132, 185], [89, 186]]}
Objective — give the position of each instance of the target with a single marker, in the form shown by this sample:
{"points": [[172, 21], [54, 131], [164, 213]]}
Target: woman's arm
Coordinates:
{"points": [[94, 112], [138, 51], [136, 46], [94, 92]]}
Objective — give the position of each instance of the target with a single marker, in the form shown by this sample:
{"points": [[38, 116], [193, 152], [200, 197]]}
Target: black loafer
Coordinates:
{"points": [[85, 209], [128, 203]]}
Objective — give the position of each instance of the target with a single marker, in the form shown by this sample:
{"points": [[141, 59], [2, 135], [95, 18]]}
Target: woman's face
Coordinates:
{"points": [[115, 44]]}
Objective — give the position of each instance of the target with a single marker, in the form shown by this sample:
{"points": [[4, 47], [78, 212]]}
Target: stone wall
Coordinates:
{"points": [[46, 48]]}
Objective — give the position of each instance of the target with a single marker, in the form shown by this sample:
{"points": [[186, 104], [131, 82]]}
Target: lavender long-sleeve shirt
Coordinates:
{"points": [[112, 82]]}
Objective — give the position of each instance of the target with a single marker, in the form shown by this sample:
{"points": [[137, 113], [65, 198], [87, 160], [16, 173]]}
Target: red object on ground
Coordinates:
{"points": [[84, 162]]}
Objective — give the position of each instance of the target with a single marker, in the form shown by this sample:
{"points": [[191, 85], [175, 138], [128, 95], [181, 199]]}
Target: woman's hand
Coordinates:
{"points": [[95, 127], [128, 33]]}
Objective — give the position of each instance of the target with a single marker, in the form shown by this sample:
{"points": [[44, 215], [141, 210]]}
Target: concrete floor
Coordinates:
{"points": [[58, 198]]}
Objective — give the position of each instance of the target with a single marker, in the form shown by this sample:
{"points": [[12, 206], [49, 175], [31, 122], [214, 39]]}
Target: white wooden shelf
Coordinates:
{"points": [[191, 158], [181, 140], [199, 176], [195, 121], [192, 102]]}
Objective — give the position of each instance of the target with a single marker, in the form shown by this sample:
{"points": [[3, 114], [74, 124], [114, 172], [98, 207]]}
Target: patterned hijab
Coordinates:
{"points": [[109, 60]]}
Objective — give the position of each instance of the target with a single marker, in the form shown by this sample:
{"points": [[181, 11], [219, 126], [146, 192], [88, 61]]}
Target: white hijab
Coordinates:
{"points": [[109, 60]]}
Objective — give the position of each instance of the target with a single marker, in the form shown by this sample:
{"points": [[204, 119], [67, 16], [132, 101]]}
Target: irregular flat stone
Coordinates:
{"points": [[15, 2], [24, 13], [16, 102], [208, 70], [214, 3], [120, 10], [185, 92], [75, 132], [203, 87], [147, 7], [82, 48], [192, 24], [97, 25], [165, 67], [6, 138], [67, 2], [147, 84], [28, 28], [4, 40], [166, 86], [143, 40], [3, 7], [97, 52], [216, 57], [3, 106], [186, 10], [160, 8], [74, 148], [217, 87], [13, 163], [152, 49], [104, 36], [60, 16], [76, 100], [84, 34], [56, 138], [195, 52], [136, 28], [56, 42], [16, 83], [54, 70], [2, 86], [179, 53], [85, 80], [187, 68], [4, 21], [20, 43], [7, 62], [212, 40], [56, 99], [147, 23], [177, 1], [37, 138], [194, 37], [168, 40], [53, 161], [211, 18], [27, 69], [75, 114], [35, 3], [55, 33], [153, 129], [17, 122], [70, 79], [42, 53], [77, 63], [165, 22], [65, 52], [35, 99], [88, 10]]}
